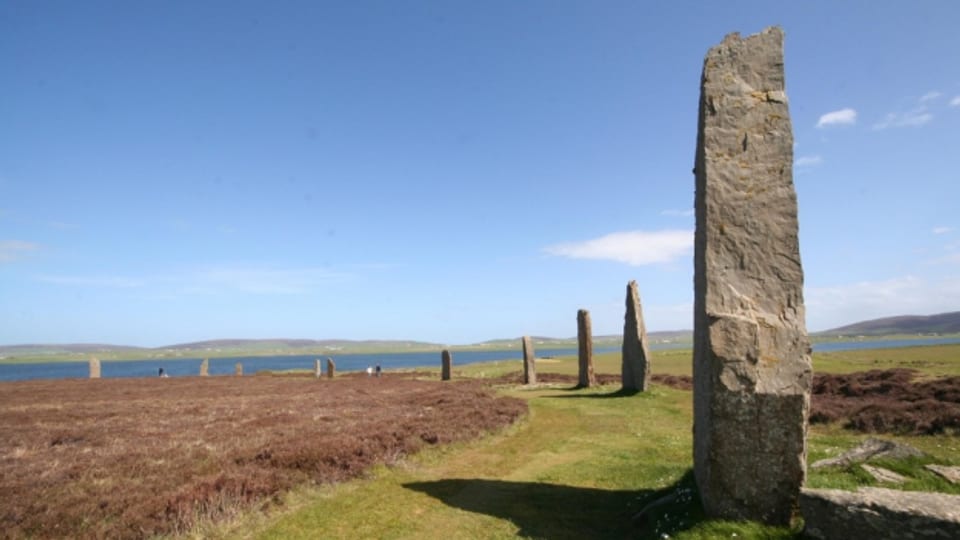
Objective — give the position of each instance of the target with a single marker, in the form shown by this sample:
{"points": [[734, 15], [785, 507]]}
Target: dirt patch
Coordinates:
{"points": [[887, 401], [130, 458]]}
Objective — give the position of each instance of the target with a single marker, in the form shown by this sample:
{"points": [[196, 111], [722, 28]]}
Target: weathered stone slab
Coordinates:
{"points": [[94, 368], [879, 514], [869, 449], [951, 474], [446, 362], [331, 368], [238, 369], [317, 370], [635, 362], [205, 367], [752, 371], [529, 367], [586, 378], [883, 475]]}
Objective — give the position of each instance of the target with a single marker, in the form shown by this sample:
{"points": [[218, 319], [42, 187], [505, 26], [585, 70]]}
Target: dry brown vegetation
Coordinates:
{"points": [[129, 458], [887, 401]]}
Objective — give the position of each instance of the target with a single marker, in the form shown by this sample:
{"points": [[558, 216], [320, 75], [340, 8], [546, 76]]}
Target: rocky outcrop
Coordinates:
{"points": [[879, 514], [869, 449], [587, 377], [205, 367], [446, 362], [238, 369], [331, 368], [94, 368], [635, 361], [529, 367], [752, 372], [317, 370]]}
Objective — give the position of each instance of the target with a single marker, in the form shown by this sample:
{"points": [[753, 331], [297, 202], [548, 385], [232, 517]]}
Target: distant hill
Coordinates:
{"points": [[677, 336], [943, 323]]}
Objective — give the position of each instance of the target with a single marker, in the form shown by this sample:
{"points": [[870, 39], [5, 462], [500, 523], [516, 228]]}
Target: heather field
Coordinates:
{"points": [[134, 458]]}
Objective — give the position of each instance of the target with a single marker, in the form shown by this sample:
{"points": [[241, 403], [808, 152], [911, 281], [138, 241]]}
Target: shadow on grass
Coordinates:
{"points": [[555, 511], [621, 393]]}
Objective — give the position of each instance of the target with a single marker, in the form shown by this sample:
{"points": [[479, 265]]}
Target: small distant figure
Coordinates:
{"points": [[162, 373], [378, 370], [369, 371]]}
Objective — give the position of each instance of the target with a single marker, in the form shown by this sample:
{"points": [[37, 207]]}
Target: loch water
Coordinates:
{"points": [[353, 362]]}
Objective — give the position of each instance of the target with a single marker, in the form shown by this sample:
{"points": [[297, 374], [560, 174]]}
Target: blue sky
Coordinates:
{"points": [[444, 171]]}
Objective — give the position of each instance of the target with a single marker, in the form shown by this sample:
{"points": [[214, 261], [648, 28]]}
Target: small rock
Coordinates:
{"points": [[868, 449], [950, 473], [884, 475]]}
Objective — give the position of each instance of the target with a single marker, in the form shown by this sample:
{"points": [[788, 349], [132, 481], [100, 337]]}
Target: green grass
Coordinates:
{"points": [[929, 360], [579, 466]]}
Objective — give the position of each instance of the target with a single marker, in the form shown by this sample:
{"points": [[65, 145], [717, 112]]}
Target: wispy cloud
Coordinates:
{"points": [[918, 116], [912, 118], [829, 307], [224, 279], [13, 250], [96, 281], [677, 213], [807, 161], [636, 248], [955, 102], [835, 118], [262, 280], [942, 230]]}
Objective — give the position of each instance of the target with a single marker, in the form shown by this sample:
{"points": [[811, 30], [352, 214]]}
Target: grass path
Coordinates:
{"points": [[580, 466]]}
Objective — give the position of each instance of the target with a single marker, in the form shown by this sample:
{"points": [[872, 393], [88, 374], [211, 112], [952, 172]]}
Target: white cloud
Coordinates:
{"points": [[830, 307], [807, 161], [636, 248], [915, 118], [942, 230], [12, 250], [955, 102], [843, 116], [930, 96], [677, 213]]}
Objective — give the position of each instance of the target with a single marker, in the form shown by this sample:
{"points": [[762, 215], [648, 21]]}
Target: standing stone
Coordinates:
{"points": [[94, 368], [238, 369], [331, 368], [205, 367], [585, 349], [751, 368], [529, 369], [635, 363], [317, 370], [446, 365]]}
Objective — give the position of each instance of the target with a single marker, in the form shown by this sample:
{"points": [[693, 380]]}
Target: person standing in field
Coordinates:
{"points": [[378, 370]]}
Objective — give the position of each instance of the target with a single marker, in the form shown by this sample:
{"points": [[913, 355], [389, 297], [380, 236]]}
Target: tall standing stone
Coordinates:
{"points": [[205, 367], [585, 350], [94, 368], [238, 369], [331, 368], [446, 364], [529, 368], [751, 369], [317, 370], [635, 363]]}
